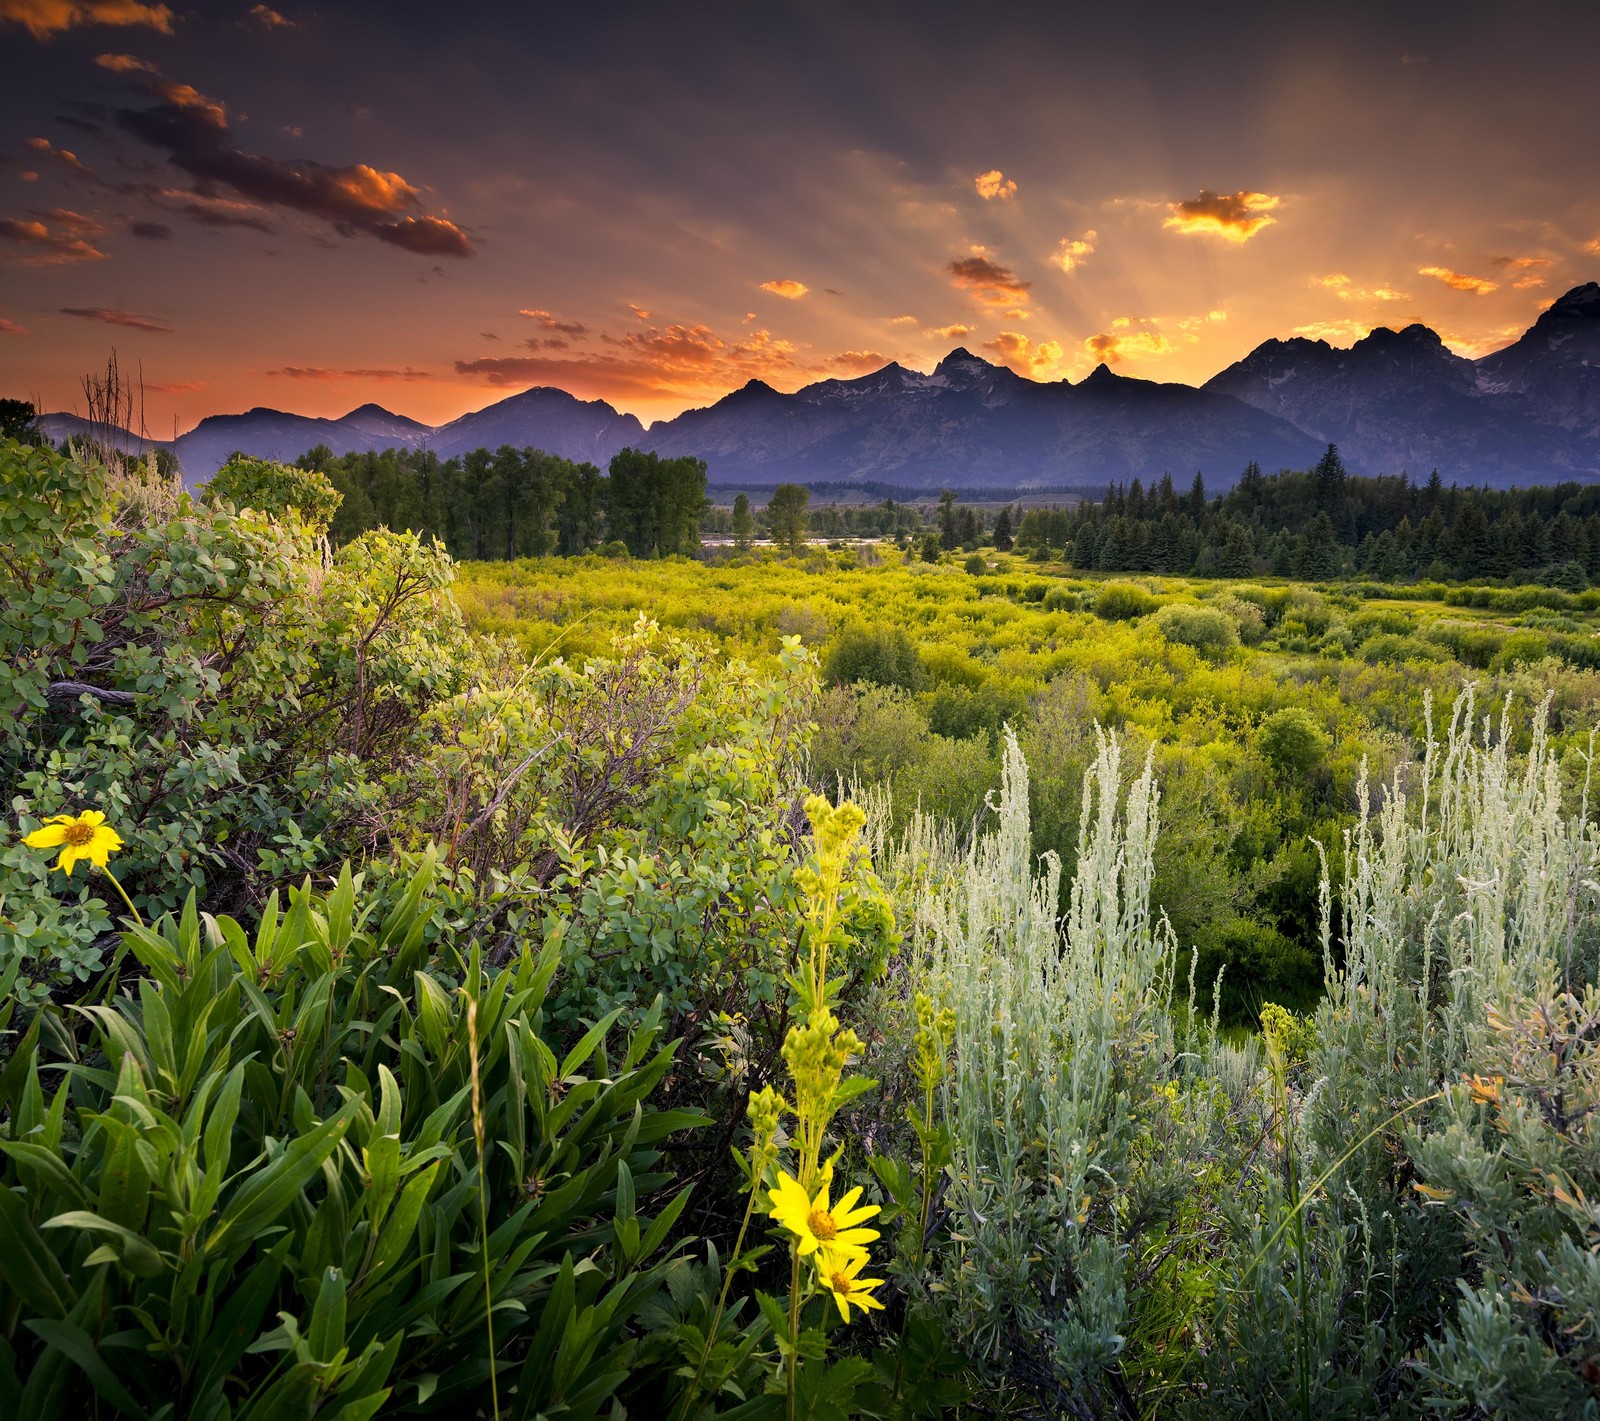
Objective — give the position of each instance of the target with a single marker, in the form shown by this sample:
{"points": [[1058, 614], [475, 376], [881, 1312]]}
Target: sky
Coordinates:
{"points": [[432, 207]]}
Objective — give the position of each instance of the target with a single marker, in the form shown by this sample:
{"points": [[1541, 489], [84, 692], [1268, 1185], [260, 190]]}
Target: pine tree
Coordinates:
{"points": [[1002, 531]]}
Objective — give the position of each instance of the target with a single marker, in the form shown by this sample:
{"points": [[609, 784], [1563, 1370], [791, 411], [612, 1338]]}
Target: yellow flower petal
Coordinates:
{"points": [[52, 836]]}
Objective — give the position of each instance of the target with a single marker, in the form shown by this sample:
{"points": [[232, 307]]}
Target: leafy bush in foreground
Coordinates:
{"points": [[202, 676]]}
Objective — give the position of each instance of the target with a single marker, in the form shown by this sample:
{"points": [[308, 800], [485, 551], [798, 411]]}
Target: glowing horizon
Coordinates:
{"points": [[220, 197]]}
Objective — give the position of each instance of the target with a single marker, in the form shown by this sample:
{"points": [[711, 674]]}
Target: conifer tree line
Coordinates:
{"points": [[1327, 523], [516, 503]]}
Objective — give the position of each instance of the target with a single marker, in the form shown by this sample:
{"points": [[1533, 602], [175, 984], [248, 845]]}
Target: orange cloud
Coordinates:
{"points": [[550, 323], [11, 328], [654, 364], [994, 185], [319, 372], [639, 311], [1127, 339], [1332, 331], [991, 283], [43, 18], [113, 317], [1593, 246], [902, 320], [950, 332], [1457, 282], [270, 19], [125, 64], [1071, 253], [1342, 287], [39, 246], [789, 290], [174, 387], [858, 361], [1234, 216], [1530, 267], [1036, 361], [64, 156], [1481, 344]]}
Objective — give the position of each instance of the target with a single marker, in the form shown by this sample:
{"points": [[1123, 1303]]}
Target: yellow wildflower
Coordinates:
{"points": [[84, 836], [814, 1224], [1485, 1090], [841, 1275]]}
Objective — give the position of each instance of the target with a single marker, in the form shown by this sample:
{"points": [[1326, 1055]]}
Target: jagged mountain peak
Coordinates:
{"points": [[1582, 301], [961, 356], [1414, 336]]}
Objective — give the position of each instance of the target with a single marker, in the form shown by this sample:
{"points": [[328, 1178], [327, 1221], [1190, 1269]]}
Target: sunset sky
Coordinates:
{"points": [[431, 207]]}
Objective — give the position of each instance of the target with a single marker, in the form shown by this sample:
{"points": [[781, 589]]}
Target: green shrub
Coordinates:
{"points": [[1248, 617], [1475, 646], [1293, 744], [975, 566], [1520, 648], [1206, 629], [276, 490], [1398, 650], [1058, 599], [253, 1185], [875, 655], [961, 712], [1121, 601]]}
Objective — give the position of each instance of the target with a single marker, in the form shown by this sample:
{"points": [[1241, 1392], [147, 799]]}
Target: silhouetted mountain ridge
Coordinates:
{"points": [[1395, 399]]}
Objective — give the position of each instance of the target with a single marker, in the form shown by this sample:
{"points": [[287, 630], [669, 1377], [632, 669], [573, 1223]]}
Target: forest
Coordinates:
{"points": [[1313, 525], [467, 947]]}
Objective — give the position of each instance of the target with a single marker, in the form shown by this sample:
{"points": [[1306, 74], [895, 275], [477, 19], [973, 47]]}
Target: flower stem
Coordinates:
{"points": [[716, 1317], [122, 893], [794, 1323]]}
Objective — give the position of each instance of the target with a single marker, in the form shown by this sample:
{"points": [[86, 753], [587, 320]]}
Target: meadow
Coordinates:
{"points": [[836, 984], [1262, 702]]}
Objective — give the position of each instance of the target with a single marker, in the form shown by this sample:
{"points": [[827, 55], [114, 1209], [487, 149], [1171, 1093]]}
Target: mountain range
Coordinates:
{"points": [[1393, 401]]}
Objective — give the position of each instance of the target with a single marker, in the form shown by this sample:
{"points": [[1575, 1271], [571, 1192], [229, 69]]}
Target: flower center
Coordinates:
{"points": [[78, 833], [821, 1224], [841, 1285]]}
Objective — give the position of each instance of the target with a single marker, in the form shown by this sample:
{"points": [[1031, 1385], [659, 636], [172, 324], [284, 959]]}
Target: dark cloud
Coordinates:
{"points": [[112, 317], [193, 131], [321, 372], [150, 231], [215, 213], [83, 125], [989, 281]]}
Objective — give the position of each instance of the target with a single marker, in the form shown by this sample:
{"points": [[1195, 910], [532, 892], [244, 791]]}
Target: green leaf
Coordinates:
{"points": [[26, 1263], [269, 1192], [590, 1042], [326, 1335], [76, 1344], [138, 1255]]}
